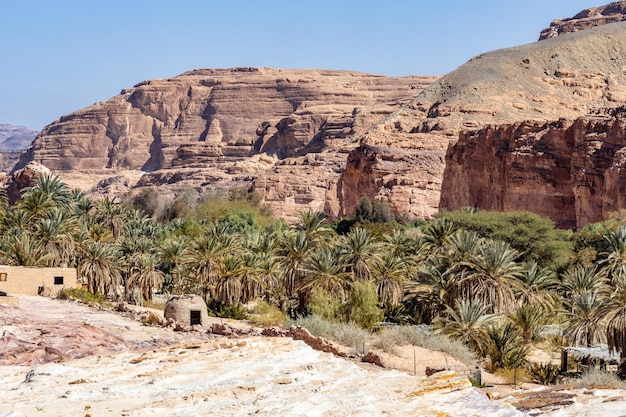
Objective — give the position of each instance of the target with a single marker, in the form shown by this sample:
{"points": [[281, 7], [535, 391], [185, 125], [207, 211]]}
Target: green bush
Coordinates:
{"points": [[324, 304], [362, 305], [267, 315], [84, 295], [530, 234], [544, 373]]}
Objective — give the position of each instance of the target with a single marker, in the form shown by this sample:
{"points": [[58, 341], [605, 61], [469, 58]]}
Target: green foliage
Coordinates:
{"points": [[325, 305], [544, 373], [84, 295], [267, 315], [533, 236], [242, 215], [362, 305], [376, 211], [227, 311]]}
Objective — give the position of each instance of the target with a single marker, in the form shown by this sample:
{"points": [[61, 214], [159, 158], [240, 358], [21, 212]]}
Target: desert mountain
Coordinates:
{"points": [[536, 127], [221, 128], [13, 139]]}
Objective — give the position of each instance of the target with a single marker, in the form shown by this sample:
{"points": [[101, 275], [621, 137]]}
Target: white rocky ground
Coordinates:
{"points": [[162, 373]]}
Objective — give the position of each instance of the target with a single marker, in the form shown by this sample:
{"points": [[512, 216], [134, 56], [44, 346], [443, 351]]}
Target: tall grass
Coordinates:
{"points": [[360, 340], [598, 378]]}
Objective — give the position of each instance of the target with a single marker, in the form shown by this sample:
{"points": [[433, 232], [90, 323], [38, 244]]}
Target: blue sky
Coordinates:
{"points": [[62, 55]]}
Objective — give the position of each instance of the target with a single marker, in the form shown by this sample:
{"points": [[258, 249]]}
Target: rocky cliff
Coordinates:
{"points": [[573, 171], [286, 131], [588, 18]]}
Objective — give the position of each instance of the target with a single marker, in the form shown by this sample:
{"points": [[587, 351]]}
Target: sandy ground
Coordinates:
{"points": [[109, 365]]}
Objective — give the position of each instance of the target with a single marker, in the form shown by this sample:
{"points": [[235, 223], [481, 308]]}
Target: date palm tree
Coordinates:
{"points": [[98, 267], [293, 253], [584, 314], [389, 274], [228, 286], [144, 276], [493, 276], [360, 250], [467, 322], [321, 270]]}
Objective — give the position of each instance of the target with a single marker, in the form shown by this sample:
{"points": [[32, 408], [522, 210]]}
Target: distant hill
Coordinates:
{"points": [[15, 138]]}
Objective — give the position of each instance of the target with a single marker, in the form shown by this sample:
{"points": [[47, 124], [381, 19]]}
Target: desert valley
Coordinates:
{"points": [[311, 242]]}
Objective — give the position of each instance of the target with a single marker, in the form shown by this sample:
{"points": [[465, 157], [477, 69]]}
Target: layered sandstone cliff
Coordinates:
{"points": [[571, 171], [220, 128]]}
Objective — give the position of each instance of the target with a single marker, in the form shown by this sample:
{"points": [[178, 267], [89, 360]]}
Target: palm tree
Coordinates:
{"points": [[98, 266], [539, 286], [493, 276], [204, 255], [437, 234], [389, 274], [112, 215], [466, 322], [527, 318], [584, 318], [434, 287], [321, 270], [20, 249], [614, 313], [144, 276], [615, 259], [293, 253], [55, 232], [228, 286], [582, 280], [173, 253], [360, 250], [504, 347], [313, 225]]}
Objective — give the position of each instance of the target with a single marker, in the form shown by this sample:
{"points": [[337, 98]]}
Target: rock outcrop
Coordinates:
{"points": [[571, 171], [588, 18], [220, 128], [24, 178]]}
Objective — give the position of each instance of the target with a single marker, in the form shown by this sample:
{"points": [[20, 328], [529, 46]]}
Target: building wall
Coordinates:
{"points": [[33, 281]]}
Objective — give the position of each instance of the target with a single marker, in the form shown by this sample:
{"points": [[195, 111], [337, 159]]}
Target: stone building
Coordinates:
{"points": [[188, 310], [36, 281]]}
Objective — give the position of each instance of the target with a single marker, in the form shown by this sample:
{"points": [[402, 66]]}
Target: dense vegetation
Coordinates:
{"points": [[490, 280]]}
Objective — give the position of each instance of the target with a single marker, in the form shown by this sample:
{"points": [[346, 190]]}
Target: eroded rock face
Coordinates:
{"points": [[220, 128], [572, 171], [588, 18]]}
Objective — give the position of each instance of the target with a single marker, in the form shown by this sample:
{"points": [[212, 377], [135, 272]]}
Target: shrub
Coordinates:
{"points": [[544, 373], [267, 315], [362, 306], [421, 337], [347, 334], [84, 295], [324, 304], [598, 378], [227, 311], [151, 319]]}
